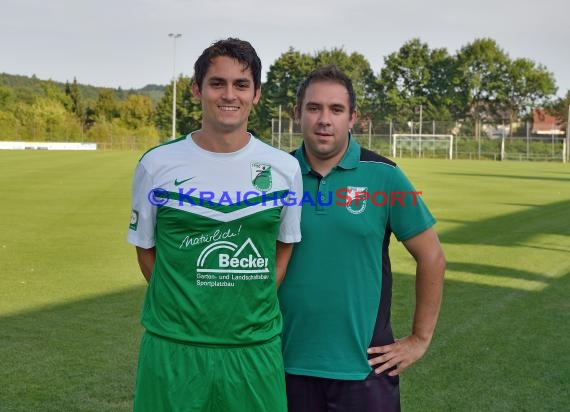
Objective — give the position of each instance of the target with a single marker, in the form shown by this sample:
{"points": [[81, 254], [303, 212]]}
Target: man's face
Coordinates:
{"points": [[325, 119], [227, 96]]}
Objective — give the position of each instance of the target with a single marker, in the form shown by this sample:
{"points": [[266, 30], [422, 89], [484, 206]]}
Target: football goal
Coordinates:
{"points": [[422, 145]]}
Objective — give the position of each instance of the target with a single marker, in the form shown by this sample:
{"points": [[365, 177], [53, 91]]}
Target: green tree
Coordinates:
{"points": [[47, 120], [417, 75], [7, 98], [188, 109], [32, 128], [106, 107], [403, 81], [292, 67], [358, 69], [528, 85], [483, 73], [137, 111], [9, 126], [52, 91], [283, 79], [76, 105], [444, 98]]}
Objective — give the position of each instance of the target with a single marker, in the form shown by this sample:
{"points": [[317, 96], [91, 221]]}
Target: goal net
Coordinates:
{"points": [[424, 145]]}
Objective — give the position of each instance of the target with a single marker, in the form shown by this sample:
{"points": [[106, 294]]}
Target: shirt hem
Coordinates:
{"points": [[219, 345], [137, 242], [289, 238], [328, 375], [419, 230]]}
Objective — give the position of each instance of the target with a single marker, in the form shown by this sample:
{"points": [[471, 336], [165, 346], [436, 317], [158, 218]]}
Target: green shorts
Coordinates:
{"points": [[175, 376]]}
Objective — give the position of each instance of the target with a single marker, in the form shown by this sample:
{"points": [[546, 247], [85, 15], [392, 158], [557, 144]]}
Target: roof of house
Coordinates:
{"points": [[545, 123]]}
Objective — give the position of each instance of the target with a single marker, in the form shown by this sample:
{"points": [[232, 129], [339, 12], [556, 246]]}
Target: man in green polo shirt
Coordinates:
{"points": [[339, 350]]}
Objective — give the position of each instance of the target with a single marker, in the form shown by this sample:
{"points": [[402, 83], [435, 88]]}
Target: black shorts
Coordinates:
{"points": [[376, 393]]}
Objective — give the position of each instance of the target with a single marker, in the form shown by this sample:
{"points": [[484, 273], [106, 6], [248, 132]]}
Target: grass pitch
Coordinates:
{"points": [[71, 292]]}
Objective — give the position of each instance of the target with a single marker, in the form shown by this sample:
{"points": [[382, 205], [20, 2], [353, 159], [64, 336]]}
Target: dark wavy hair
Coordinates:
{"points": [[237, 49]]}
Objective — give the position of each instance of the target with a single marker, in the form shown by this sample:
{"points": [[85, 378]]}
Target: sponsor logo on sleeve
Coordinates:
{"points": [[134, 220]]}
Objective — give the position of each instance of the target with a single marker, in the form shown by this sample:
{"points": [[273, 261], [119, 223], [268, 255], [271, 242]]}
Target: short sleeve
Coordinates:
{"points": [[290, 228], [409, 214], [143, 213]]}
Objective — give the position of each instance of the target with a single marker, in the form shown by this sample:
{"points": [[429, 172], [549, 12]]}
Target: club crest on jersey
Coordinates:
{"points": [[261, 176], [356, 202]]}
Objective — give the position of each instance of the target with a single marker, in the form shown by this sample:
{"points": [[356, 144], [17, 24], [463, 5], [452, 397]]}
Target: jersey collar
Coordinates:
{"points": [[350, 159]]}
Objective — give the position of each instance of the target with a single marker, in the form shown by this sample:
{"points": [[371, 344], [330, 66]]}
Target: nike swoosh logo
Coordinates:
{"points": [[179, 182]]}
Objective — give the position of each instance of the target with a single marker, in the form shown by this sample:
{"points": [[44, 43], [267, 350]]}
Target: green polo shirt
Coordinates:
{"points": [[336, 295]]}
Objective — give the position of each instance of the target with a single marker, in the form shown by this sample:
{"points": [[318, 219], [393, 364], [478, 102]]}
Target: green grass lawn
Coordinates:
{"points": [[71, 292]]}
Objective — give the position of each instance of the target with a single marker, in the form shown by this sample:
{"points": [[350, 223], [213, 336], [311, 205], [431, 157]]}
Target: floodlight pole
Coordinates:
{"points": [[174, 37], [421, 120], [568, 136], [279, 130]]}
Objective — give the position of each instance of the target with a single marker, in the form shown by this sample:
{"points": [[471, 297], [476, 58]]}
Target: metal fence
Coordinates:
{"points": [[496, 142], [129, 143]]}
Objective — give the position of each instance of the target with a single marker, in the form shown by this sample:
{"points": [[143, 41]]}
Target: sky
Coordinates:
{"points": [[125, 43]]}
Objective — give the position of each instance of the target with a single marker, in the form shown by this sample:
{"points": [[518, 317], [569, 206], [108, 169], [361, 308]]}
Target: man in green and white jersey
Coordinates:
{"points": [[213, 237], [339, 351]]}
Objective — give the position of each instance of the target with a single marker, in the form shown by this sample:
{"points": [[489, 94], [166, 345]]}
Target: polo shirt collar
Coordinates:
{"points": [[350, 159]]}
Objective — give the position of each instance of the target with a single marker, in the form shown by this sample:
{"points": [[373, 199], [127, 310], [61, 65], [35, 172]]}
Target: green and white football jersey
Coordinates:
{"points": [[214, 219]]}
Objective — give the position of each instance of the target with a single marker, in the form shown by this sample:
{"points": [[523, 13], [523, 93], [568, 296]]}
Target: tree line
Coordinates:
{"points": [[479, 83], [40, 110]]}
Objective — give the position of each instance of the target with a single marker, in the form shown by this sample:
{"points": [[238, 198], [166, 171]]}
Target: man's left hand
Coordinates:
{"points": [[400, 354]]}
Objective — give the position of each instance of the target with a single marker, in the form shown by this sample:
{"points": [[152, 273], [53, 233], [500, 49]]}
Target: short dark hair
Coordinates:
{"points": [[237, 49], [329, 74]]}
